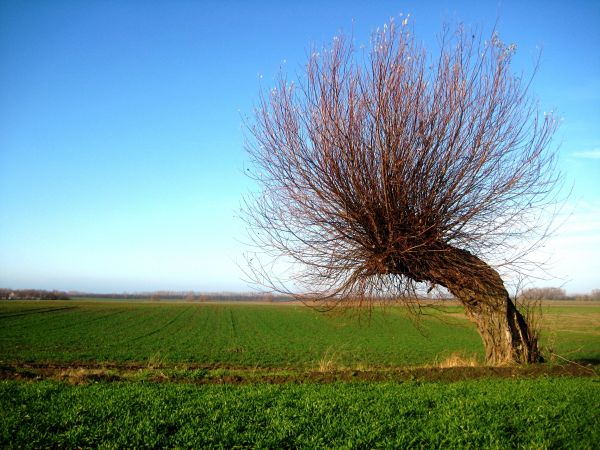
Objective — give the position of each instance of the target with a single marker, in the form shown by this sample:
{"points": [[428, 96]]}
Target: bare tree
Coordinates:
{"points": [[396, 170], [548, 293]]}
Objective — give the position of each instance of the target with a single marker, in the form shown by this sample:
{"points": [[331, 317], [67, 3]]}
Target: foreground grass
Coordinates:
{"points": [[159, 367], [540, 413]]}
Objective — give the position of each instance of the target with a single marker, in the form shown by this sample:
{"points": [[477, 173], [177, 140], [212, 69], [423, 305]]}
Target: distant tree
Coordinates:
{"points": [[548, 293], [384, 175], [32, 294]]}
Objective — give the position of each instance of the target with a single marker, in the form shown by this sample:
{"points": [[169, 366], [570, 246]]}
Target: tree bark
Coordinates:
{"points": [[506, 335]]}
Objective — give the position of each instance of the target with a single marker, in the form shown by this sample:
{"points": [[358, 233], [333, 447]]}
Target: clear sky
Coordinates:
{"points": [[121, 138]]}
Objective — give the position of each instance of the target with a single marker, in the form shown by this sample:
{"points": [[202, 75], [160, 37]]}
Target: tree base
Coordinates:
{"points": [[506, 336]]}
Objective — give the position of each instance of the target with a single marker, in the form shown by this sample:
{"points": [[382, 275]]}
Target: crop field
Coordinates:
{"points": [[164, 374], [261, 335], [225, 335], [543, 413]]}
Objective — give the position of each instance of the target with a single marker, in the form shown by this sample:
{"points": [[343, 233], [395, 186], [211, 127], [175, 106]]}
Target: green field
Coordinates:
{"points": [[543, 413], [118, 374], [226, 335], [261, 335]]}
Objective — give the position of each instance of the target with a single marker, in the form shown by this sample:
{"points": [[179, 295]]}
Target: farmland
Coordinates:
{"points": [[248, 335], [544, 413], [261, 335], [99, 373]]}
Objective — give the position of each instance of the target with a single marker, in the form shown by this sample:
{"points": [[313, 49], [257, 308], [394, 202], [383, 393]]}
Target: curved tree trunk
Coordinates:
{"points": [[506, 336]]}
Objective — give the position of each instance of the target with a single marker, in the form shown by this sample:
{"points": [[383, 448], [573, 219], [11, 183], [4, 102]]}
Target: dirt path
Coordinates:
{"points": [[83, 373]]}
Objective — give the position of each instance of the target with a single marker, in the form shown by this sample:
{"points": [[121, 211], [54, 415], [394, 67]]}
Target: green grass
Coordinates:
{"points": [[257, 335], [244, 335], [572, 331], [541, 413], [161, 350]]}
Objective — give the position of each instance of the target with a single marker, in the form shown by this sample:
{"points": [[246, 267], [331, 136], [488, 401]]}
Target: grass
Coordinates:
{"points": [[572, 332], [260, 335], [78, 374], [229, 335], [542, 413]]}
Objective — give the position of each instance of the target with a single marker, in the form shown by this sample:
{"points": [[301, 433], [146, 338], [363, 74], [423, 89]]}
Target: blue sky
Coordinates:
{"points": [[121, 138]]}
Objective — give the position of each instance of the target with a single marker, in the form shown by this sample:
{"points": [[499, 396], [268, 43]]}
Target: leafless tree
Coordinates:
{"points": [[548, 293], [396, 170]]}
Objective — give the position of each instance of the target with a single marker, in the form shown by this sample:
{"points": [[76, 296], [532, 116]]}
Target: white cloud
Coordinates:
{"points": [[590, 154], [572, 254]]}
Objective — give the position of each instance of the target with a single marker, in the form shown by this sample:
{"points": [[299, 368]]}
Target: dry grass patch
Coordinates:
{"points": [[458, 359], [83, 375], [330, 362]]}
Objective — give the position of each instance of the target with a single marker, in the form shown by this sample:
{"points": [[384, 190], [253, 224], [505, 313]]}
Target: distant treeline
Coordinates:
{"points": [[549, 293], [37, 294], [554, 293], [32, 294], [187, 296]]}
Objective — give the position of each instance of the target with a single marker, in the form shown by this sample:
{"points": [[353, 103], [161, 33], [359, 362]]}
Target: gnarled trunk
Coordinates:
{"points": [[506, 336]]}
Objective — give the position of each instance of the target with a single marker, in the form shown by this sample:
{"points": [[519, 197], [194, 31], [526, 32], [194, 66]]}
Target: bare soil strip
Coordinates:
{"points": [[83, 373]]}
